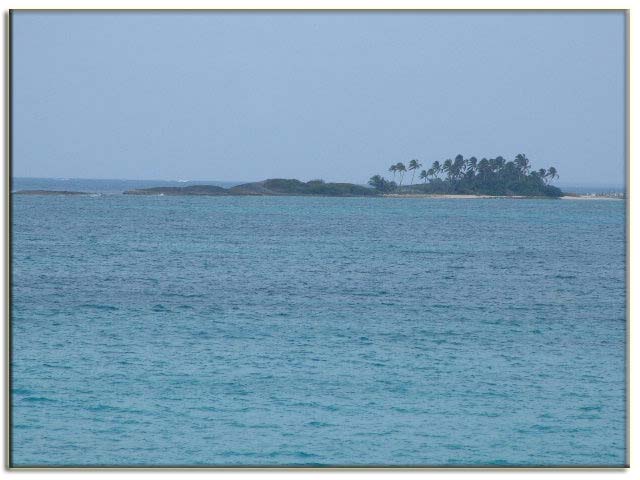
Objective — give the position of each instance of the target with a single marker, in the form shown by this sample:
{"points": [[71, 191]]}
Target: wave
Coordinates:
{"points": [[38, 400], [97, 306]]}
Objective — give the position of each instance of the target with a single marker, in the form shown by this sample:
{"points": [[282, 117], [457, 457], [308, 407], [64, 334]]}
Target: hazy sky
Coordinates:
{"points": [[339, 96]]}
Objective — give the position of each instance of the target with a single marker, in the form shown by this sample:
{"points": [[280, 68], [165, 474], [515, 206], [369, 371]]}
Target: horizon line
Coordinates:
{"points": [[181, 180]]}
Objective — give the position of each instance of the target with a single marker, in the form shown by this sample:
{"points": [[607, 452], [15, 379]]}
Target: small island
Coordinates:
{"points": [[270, 187], [470, 176], [459, 177], [49, 192], [188, 190]]}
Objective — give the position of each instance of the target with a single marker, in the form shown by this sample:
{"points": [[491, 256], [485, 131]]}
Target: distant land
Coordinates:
{"points": [[272, 187], [293, 187], [453, 178], [470, 176], [50, 192]]}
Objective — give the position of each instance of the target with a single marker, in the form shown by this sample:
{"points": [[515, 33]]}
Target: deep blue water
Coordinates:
{"points": [[317, 331]]}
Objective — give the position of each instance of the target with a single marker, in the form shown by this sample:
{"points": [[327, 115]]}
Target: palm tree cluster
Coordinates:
{"points": [[494, 176]]}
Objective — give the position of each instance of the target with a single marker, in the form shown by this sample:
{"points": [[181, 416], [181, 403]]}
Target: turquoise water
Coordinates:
{"points": [[317, 331]]}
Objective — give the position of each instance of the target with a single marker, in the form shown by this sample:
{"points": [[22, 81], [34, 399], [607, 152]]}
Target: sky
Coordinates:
{"points": [[243, 96]]}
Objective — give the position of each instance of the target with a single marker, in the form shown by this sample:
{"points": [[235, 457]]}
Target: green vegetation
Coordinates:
{"points": [[273, 187], [50, 192], [205, 190], [413, 166], [494, 176], [382, 185], [459, 176], [282, 186]]}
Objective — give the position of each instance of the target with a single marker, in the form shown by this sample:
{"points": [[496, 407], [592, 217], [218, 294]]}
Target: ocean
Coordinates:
{"points": [[292, 331]]}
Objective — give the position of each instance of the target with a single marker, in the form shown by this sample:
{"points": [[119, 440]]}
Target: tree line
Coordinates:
{"points": [[493, 176]]}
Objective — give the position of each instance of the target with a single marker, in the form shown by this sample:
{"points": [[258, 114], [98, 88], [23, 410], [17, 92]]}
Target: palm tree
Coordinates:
{"points": [[424, 175], [542, 173], [393, 168], [511, 171], [458, 165], [401, 168], [494, 164], [431, 172], [413, 166], [483, 168], [471, 164], [552, 173], [447, 167], [436, 167], [522, 162], [376, 181]]}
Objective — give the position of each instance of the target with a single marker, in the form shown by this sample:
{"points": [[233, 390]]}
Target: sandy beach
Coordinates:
{"points": [[445, 196], [591, 197]]}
